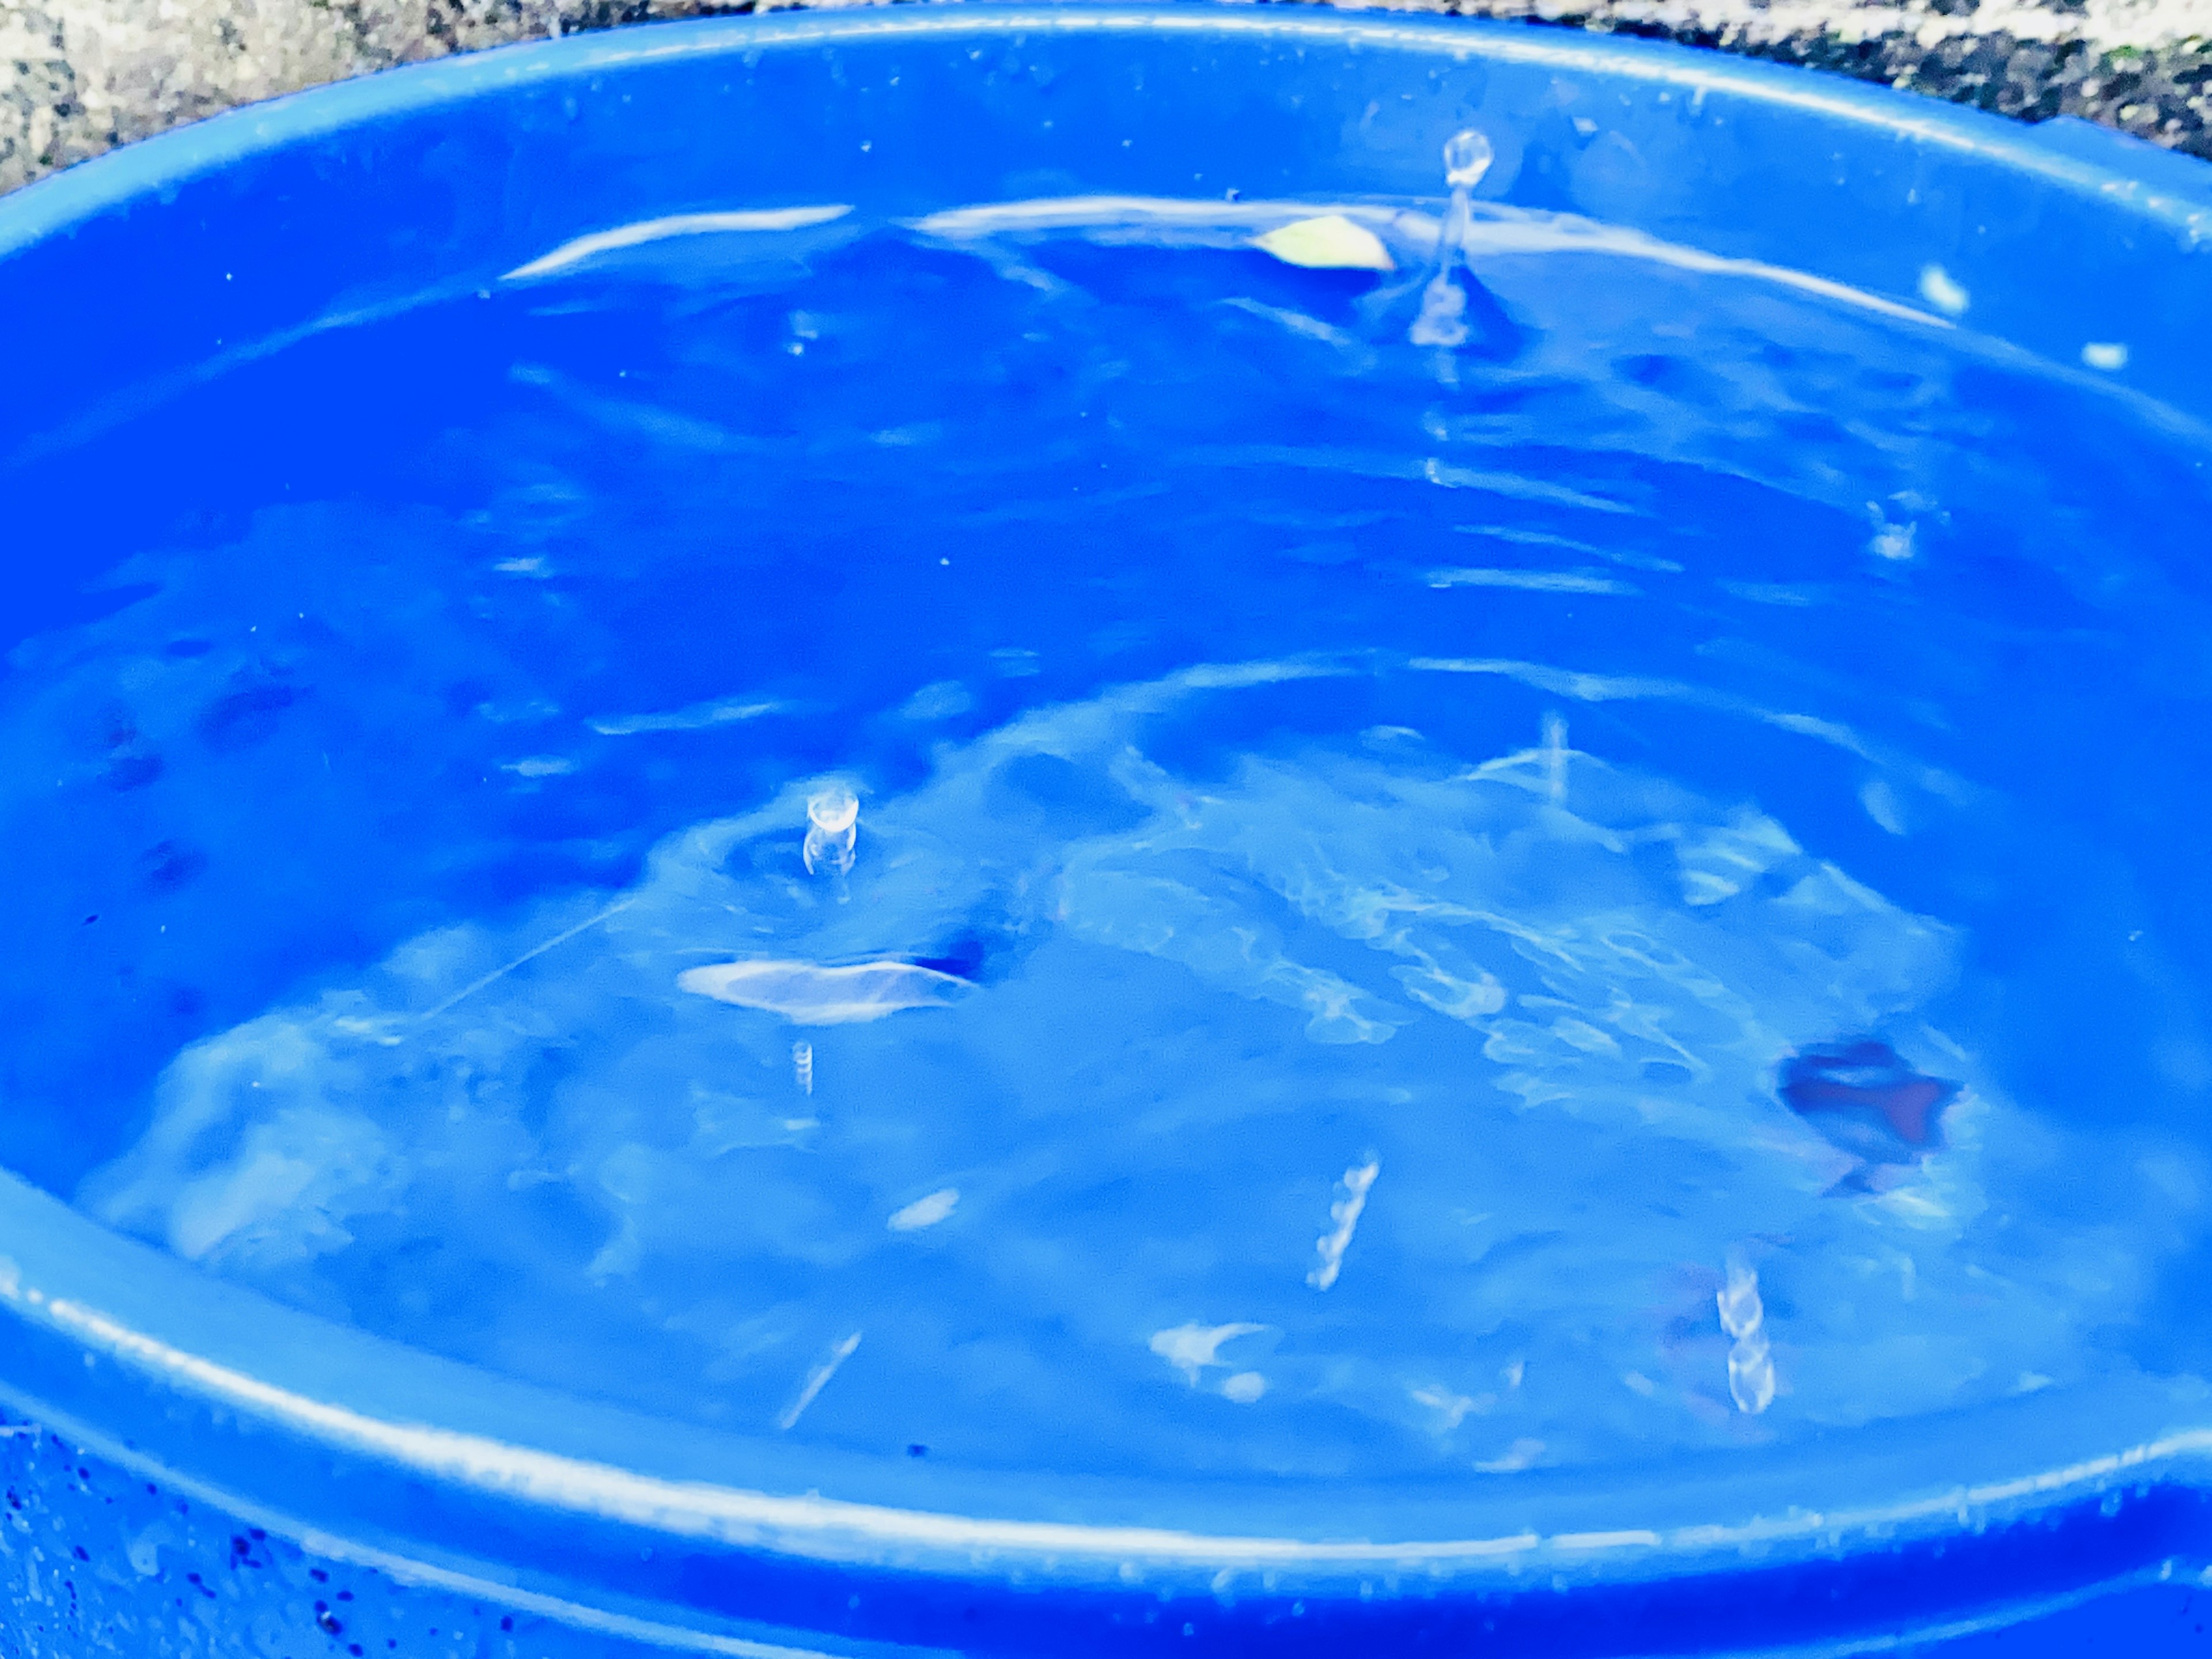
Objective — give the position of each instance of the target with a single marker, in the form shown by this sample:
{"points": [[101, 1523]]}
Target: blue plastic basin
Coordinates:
{"points": [[1087, 830]]}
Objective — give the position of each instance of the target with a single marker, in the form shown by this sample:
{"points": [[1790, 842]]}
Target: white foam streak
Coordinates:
{"points": [[925, 1211], [1505, 233], [531, 954], [1344, 1214], [1585, 687], [1191, 1348], [699, 717], [1137, 212], [682, 224], [1533, 581], [817, 1380], [1494, 232]]}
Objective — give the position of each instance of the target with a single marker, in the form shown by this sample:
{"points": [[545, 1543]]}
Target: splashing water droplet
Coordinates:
{"points": [[1442, 321], [1555, 759], [833, 827], [834, 811], [1750, 1359], [1467, 156]]}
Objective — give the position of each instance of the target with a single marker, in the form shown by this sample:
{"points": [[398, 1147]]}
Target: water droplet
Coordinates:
{"points": [[1467, 156], [833, 827], [1740, 1311]]}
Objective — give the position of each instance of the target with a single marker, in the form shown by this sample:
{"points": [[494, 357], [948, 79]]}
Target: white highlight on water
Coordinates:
{"points": [[807, 994], [2109, 356], [699, 717], [1191, 1348], [925, 1211], [1344, 1214], [1297, 323], [539, 765], [1750, 1362], [1127, 216], [832, 829], [1499, 232], [1892, 542], [682, 224], [802, 1067], [1328, 242], [941, 700], [1879, 801], [1442, 321], [1533, 581], [1521, 1455], [1585, 687], [817, 1380], [1506, 231], [1453, 1407], [1940, 290]]}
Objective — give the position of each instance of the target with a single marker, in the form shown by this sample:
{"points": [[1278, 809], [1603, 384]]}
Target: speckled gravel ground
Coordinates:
{"points": [[77, 76]]}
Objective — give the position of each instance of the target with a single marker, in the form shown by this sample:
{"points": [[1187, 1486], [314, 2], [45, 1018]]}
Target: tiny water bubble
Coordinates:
{"points": [[832, 829]]}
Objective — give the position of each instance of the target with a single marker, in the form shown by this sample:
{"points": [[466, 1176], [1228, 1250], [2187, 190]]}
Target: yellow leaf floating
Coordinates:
{"points": [[1331, 242]]}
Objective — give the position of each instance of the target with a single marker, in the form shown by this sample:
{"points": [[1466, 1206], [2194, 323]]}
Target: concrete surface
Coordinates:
{"points": [[77, 76]]}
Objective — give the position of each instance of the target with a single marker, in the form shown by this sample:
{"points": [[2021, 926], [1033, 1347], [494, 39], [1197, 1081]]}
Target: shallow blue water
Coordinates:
{"points": [[1365, 828]]}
